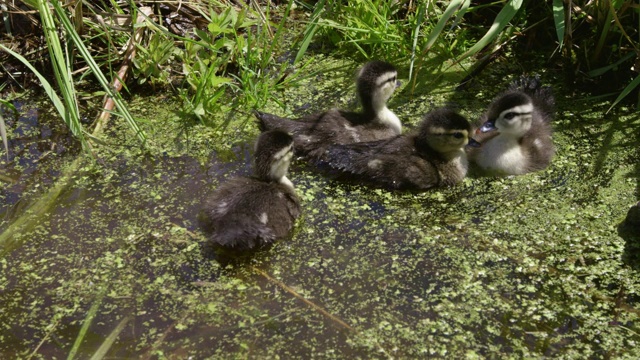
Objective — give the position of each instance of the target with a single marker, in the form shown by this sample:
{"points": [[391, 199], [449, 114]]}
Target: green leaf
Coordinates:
{"points": [[311, 29], [504, 16], [48, 89], [604, 69], [634, 84], [86, 323], [448, 13], [558, 18], [110, 340]]}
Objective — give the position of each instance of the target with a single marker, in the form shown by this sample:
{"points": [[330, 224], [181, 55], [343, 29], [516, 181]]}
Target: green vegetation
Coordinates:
{"points": [[527, 266], [223, 58], [102, 259]]}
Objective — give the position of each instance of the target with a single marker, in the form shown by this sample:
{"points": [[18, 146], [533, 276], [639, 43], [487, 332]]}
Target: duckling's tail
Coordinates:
{"points": [[261, 120], [268, 121], [542, 95]]}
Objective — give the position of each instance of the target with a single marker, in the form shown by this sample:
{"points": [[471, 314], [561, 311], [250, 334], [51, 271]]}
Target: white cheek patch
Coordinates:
{"points": [[517, 125], [386, 77], [281, 162]]}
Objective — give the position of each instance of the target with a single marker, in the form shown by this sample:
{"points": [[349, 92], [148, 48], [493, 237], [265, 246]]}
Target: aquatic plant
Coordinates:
{"points": [[236, 57], [425, 33], [62, 65]]}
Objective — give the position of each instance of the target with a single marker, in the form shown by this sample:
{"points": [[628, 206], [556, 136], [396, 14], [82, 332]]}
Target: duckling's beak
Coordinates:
{"points": [[489, 125], [398, 84], [473, 143]]}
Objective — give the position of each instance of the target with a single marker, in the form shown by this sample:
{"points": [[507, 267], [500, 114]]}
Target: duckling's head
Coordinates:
{"points": [[445, 131], [511, 114], [377, 80], [273, 153]]}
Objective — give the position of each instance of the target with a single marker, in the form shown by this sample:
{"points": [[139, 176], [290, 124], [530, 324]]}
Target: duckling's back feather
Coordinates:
{"points": [[245, 212], [392, 163], [312, 134]]}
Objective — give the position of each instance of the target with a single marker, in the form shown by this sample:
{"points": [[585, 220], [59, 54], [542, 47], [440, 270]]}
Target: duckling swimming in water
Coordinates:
{"points": [[518, 131], [431, 156], [312, 134], [250, 211]]}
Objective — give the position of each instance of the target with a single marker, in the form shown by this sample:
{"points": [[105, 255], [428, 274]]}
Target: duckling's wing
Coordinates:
{"points": [[390, 163], [346, 155], [331, 127], [539, 147], [268, 121]]}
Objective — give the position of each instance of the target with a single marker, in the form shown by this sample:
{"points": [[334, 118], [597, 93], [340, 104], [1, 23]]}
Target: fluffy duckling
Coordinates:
{"points": [[376, 82], [250, 211], [431, 156], [518, 131]]}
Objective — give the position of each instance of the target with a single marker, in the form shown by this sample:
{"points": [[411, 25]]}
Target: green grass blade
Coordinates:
{"points": [[416, 32], [3, 135], [85, 325], [558, 19], [3, 126], [463, 10], [604, 33], [448, 13], [604, 69], [310, 30], [61, 70], [276, 41], [504, 16], [86, 55], [48, 89], [634, 84], [108, 342]]}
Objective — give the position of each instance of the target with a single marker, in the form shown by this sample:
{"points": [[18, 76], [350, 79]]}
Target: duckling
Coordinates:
{"points": [[376, 82], [250, 211], [431, 156], [518, 131]]}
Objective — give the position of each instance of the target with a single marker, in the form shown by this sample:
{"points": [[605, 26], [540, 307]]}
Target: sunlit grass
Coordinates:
{"points": [[3, 126]]}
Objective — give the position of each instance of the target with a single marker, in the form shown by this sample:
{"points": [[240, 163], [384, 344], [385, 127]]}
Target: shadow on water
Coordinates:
{"points": [[629, 230]]}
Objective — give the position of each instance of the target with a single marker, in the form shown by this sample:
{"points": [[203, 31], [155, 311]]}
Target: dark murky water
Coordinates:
{"points": [[528, 266]]}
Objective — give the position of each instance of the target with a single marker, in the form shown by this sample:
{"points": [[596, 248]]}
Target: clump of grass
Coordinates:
{"points": [[237, 57], [614, 28], [235, 60]]}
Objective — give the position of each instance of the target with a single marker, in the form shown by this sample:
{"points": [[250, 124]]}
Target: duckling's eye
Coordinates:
{"points": [[458, 135], [510, 115]]}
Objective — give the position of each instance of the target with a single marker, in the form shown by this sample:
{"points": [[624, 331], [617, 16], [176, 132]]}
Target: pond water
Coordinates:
{"points": [[525, 266]]}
